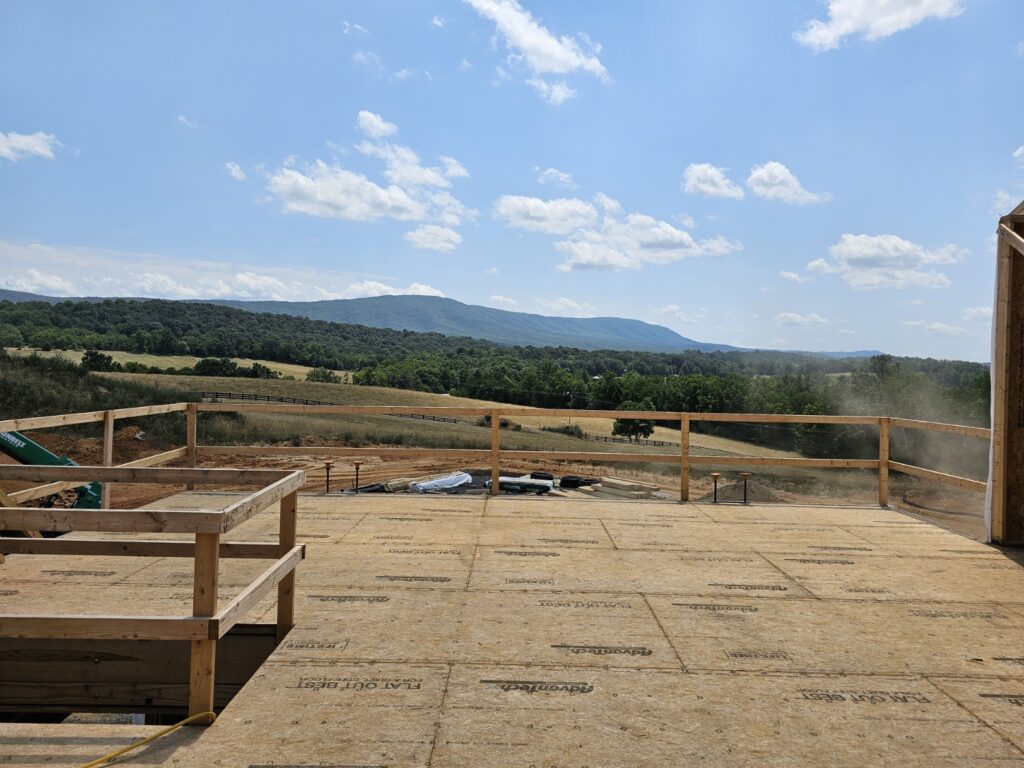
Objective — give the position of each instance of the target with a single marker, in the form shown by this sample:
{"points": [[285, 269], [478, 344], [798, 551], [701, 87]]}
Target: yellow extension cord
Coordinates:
{"points": [[147, 740]]}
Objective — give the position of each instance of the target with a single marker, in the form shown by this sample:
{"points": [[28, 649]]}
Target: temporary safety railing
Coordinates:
{"points": [[207, 624]]}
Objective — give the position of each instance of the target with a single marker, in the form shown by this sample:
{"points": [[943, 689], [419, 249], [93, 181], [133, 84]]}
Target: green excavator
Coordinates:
{"points": [[26, 451]]}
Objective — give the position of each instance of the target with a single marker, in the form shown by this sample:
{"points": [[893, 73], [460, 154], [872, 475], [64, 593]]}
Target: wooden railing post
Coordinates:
{"points": [[684, 457], [191, 448], [495, 450], [108, 455], [203, 665], [286, 588], [883, 461]]}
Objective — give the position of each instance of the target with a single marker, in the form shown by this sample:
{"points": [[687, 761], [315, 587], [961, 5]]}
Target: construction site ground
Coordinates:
{"points": [[558, 633]]}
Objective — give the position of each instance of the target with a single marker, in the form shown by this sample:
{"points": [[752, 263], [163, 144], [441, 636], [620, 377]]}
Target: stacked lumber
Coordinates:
{"points": [[625, 489]]}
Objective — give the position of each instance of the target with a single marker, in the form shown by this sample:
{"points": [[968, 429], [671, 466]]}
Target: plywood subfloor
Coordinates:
{"points": [[436, 631]]}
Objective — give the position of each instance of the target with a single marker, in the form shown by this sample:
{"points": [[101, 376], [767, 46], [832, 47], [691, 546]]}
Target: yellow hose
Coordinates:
{"points": [[147, 740]]}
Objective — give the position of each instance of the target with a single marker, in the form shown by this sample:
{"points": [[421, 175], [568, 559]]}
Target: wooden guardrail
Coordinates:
{"points": [[207, 624], [495, 453]]}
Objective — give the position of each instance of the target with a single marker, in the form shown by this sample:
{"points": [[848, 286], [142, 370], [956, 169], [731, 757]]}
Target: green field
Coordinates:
{"points": [[403, 431], [167, 361]]}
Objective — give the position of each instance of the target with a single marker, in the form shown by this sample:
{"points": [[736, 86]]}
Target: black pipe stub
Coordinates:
{"points": [[714, 478], [745, 476]]}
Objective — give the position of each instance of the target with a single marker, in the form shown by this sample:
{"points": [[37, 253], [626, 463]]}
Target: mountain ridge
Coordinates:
{"points": [[433, 314]]}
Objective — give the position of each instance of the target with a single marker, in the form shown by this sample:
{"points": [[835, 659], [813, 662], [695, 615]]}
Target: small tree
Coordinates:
{"points": [[216, 366], [97, 361], [634, 429], [323, 375]]}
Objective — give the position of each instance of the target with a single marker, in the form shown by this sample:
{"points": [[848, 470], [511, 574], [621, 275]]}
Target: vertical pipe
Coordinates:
{"points": [[203, 661], [883, 461], [684, 457], [287, 533], [495, 450], [714, 479], [108, 455], [191, 447]]}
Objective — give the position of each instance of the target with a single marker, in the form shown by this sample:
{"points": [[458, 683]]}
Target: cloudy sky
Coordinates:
{"points": [[815, 174]]}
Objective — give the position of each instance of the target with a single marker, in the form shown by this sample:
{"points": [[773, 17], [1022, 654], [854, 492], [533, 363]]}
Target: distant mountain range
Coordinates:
{"points": [[453, 318]]}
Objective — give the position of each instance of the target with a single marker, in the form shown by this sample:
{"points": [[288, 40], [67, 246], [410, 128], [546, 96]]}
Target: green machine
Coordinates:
{"points": [[26, 451]]}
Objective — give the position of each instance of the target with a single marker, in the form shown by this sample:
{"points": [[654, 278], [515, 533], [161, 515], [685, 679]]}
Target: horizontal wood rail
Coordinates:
{"points": [[940, 477]]}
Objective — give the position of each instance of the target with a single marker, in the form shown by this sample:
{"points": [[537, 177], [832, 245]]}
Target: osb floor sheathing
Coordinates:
{"points": [[551, 633]]}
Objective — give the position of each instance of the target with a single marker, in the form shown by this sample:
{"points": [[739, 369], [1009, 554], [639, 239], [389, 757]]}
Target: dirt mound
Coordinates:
{"points": [[733, 492]]}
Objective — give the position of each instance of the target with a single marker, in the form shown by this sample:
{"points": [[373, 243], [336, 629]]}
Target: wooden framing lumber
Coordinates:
{"points": [[983, 433], [784, 418], [784, 461], [684, 457], [289, 450], [41, 422], [191, 429], [108, 455], [133, 520], [256, 550], [495, 452], [940, 477], [202, 665], [248, 598], [129, 474], [107, 627], [156, 459], [288, 524], [1015, 241], [883, 462], [237, 513]]}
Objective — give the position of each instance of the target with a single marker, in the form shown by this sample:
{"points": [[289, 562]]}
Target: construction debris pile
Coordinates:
{"points": [[478, 481]]}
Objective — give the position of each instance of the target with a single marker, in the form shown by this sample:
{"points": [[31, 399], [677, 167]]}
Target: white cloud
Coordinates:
{"points": [[503, 301], [978, 313], [556, 93], [349, 29], [453, 169], [872, 20], [434, 238], [34, 281], [438, 21], [235, 170], [332, 192], [403, 166], [414, 193], [938, 329], [532, 46], [887, 261], [555, 177], [615, 242], [846, 331], [633, 241], [710, 181], [370, 60], [374, 126], [555, 217], [774, 181], [608, 204], [15, 146], [70, 271], [188, 123], [465, 65], [793, 277], [795, 319], [1018, 154], [565, 307], [1004, 202], [686, 220]]}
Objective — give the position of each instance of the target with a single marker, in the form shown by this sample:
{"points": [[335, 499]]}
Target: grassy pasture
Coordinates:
{"points": [[167, 361]]}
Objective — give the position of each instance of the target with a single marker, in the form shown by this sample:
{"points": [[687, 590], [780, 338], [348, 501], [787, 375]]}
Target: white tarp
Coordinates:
{"points": [[454, 480]]}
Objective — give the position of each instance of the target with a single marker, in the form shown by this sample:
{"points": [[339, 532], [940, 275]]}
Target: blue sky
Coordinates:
{"points": [[809, 175]]}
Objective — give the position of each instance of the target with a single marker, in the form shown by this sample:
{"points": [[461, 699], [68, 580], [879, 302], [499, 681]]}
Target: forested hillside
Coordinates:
{"points": [[742, 381]]}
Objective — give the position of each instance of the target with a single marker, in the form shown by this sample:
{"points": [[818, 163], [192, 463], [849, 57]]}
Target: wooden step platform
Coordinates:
{"points": [[515, 632]]}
